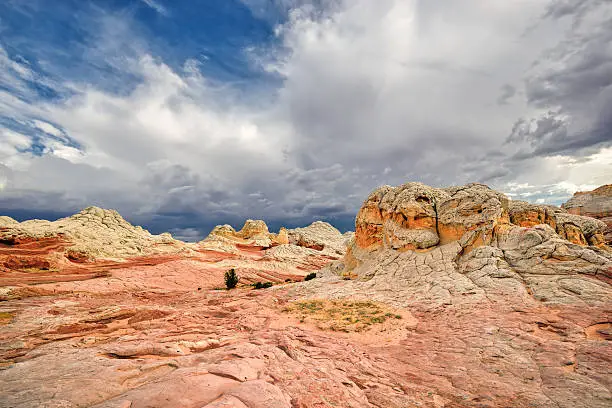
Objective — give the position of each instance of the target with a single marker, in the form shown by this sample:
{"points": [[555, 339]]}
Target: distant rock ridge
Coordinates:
{"points": [[416, 244], [596, 204], [93, 233], [319, 236], [254, 233]]}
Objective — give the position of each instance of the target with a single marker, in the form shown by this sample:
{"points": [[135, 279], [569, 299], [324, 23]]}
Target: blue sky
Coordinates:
{"points": [[186, 114]]}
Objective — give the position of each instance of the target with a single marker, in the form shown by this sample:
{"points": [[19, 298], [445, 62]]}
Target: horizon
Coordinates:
{"points": [[195, 236], [183, 115]]}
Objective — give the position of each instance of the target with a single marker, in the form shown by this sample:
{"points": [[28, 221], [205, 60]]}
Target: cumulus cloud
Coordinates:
{"points": [[372, 93]]}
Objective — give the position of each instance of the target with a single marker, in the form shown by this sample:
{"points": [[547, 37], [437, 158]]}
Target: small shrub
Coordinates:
{"points": [[310, 276], [231, 279], [259, 285]]}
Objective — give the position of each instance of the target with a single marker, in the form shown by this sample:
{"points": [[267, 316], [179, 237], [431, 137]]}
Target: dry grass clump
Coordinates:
{"points": [[5, 318], [341, 315]]}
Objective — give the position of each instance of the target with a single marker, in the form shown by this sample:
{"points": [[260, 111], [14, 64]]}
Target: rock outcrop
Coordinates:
{"points": [[295, 251], [418, 244], [254, 233], [93, 234], [320, 236], [454, 297], [596, 204]]}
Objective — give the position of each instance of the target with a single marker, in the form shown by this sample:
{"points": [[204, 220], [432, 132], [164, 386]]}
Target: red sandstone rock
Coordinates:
{"points": [[596, 204], [497, 309]]}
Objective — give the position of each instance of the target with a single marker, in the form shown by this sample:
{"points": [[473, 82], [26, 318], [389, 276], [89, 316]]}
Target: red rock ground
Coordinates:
{"points": [[152, 332]]}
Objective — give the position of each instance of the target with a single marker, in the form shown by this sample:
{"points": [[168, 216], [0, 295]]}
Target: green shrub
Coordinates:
{"points": [[259, 285], [310, 276], [231, 279]]}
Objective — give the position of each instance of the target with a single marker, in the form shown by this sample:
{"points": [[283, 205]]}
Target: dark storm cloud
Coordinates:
{"points": [[574, 80], [507, 92]]}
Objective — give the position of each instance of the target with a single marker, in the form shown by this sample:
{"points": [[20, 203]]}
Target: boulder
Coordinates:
{"points": [[596, 204]]}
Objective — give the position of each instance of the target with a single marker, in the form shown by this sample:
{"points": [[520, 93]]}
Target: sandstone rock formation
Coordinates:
{"points": [[596, 204], [320, 236], [437, 244], [91, 234], [489, 303], [96, 242], [468, 253], [290, 252], [254, 233]]}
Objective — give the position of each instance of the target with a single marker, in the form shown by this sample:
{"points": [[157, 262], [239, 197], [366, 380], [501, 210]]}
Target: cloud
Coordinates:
{"points": [[574, 79], [157, 6], [508, 91], [370, 93]]}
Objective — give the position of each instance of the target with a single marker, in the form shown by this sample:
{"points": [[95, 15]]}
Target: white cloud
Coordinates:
{"points": [[48, 128], [155, 5], [373, 93]]}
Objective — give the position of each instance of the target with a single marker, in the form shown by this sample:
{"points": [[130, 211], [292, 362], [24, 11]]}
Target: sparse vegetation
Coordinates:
{"points": [[5, 318], [231, 279], [38, 270], [310, 276], [345, 316], [259, 285]]}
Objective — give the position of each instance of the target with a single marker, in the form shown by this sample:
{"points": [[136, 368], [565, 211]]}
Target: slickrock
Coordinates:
{"points": [[320, 236], [254, 233], [416, 244], [596, 204], [470, 252], [93, 233], [292, 251], [458, 297]]}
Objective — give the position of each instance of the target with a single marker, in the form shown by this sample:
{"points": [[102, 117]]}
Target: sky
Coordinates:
{"points": [[186, 114]]}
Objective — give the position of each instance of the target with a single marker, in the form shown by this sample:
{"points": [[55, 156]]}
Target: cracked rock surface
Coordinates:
{"points": [[492, 303]]}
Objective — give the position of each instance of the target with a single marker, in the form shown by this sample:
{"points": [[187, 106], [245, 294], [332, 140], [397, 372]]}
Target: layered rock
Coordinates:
{"points": [[575, 228], [486, 306], [320, 236], [92, 234], [596, 204], [416, 244], [289, 253], [254, 233]]}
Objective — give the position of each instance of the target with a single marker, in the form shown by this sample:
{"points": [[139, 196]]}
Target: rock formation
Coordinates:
{"points": [[462, 297], [455, 245], [291, 251], [476, 264], [254, 233], [95, 242], [320, 236], [596, 204], [93, 233]]}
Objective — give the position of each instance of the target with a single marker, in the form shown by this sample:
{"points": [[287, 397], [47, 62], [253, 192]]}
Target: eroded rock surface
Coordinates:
{"points": [[292, 251], [417, 244], [490, 302], [460, 255], [596, 204], [93, 233]]}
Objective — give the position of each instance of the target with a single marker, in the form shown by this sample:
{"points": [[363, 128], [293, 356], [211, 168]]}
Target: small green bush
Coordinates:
{"points": [[310, 276], [231, 279], [259, 285]]}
